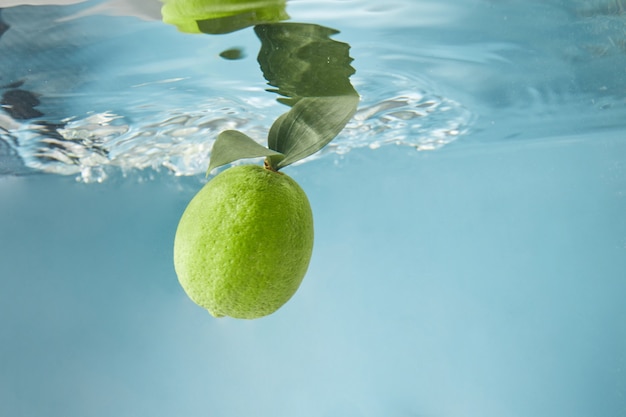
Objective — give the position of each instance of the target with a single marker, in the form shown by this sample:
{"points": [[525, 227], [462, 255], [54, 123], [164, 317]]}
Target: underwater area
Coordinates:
{"points": [[470, 219]]}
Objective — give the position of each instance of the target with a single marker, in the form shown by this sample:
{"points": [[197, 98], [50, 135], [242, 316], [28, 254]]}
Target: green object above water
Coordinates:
{"points": [[221, 16]]}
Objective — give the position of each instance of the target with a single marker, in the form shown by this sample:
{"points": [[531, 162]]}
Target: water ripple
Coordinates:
{"points": [[394, 110]]}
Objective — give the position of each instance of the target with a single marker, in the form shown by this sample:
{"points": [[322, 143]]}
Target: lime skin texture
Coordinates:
{"points": [[244, 242]]}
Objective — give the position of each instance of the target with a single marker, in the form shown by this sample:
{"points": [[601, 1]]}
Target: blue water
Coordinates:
{"points": [[470, 253]]}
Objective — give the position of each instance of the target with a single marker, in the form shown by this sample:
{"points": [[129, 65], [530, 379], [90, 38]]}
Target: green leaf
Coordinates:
{"points": [[310, 124], [232, 145], [311, 72], [301, 60]]}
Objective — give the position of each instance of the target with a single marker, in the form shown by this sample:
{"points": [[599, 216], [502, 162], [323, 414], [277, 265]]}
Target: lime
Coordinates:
{"points": [[244, 242], [221, 16]]}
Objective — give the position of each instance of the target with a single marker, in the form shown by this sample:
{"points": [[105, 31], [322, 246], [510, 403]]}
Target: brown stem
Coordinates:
{"points": [[266, 165]]}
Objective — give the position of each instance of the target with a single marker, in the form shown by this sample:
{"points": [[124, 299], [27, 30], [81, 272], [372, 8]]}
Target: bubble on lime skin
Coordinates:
{"points": [[244, 242]]}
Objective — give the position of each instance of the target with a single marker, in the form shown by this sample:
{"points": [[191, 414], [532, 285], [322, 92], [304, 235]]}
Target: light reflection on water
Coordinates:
{"points": [[179, 117], [420, 86]]}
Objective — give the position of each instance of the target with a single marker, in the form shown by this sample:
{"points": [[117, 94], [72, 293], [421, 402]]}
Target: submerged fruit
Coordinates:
{"points": [[244, 242]]}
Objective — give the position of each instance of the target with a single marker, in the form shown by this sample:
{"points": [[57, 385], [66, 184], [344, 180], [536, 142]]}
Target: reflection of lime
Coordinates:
{"points": [[221, 16], [244, 242]]}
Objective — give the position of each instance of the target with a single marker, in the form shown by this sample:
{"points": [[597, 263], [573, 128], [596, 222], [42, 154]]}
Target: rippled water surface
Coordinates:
{"points": [[116, 88], [470, 254]]}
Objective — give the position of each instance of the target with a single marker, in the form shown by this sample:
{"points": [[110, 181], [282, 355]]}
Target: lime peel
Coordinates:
{"points": [[244, 243]]}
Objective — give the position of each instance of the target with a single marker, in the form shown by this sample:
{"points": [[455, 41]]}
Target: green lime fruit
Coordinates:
{"points": [[244, 242], [221, 16]]}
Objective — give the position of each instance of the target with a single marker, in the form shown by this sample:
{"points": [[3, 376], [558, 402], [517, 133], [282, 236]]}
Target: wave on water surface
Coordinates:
{"points": [[88, 98], [393, 110], [128, 109]]}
